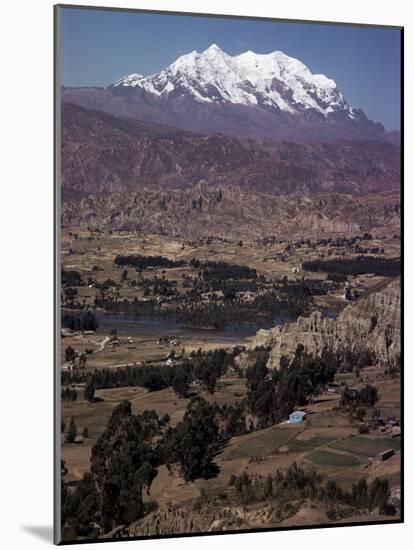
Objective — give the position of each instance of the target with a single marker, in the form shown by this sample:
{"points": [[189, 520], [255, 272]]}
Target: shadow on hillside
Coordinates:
{"points": [[212, 471]]}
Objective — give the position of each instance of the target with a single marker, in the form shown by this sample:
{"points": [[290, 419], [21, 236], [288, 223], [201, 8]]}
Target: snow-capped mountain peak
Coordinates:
{"points": [[272, 81], [129, 80], [213, 48]]}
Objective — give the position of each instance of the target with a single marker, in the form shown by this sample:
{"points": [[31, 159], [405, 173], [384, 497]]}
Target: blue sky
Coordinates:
{"points": [[98, 47]]}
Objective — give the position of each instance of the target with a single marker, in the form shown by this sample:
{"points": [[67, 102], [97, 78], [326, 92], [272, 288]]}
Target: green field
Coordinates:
{"points": [[324, 457], [258, 444], [367, 446], [305, 445]]}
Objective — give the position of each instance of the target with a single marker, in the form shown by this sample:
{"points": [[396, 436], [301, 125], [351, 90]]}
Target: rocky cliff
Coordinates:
{"points": [[233, 212], [169, 520], [373, 322], [207, 518]]}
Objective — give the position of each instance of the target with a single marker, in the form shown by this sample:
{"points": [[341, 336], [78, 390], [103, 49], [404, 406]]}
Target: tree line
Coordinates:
{"points": [[80, 321], [152, 378], [206, 367], [222, 270], [300, 483], [142, 262], [386, 267]]}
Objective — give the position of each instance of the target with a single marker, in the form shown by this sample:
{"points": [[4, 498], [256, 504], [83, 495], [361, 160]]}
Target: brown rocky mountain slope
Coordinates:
{"points": [[230, 211], [373, 322], [102, 154]]}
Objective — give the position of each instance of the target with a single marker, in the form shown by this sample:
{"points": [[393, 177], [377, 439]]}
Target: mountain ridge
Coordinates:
{"points": [[104, 154], [249, 95]]}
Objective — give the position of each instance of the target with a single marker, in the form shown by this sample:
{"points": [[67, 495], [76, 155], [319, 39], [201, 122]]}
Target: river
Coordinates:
{"points": [[130, 325]]}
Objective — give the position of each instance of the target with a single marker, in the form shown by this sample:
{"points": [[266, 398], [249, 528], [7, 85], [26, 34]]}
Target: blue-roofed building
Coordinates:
{"points": [[296, 417]]}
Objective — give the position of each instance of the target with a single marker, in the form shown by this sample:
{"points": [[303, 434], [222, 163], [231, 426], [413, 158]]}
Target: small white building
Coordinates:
{"points": [[297, 416]]}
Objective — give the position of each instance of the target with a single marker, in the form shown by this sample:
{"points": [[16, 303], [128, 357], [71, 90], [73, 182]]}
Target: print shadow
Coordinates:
{"points": [[42, 532]]}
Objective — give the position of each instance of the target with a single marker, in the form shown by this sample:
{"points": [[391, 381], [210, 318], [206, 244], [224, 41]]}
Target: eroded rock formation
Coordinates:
{"points": [[373, 323]]}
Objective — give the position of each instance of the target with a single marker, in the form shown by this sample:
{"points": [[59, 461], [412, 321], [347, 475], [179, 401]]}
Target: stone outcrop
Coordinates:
{"points": [[210, 517], [373, 323], [169, 520]]}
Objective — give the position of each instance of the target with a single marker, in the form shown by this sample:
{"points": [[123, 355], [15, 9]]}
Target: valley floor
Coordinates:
{"points": [[328, 441]]}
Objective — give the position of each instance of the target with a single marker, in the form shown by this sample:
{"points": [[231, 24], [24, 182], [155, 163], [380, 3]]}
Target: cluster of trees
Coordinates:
{"points": [[288, 300], [81, 321], [366, 396], [89, 390], [206, 367], [142, 262], [355, 359], [387, 267], [69, 295], [194, 441], [273, 396], [336, 277], [269, 240], [210, 365], [123, 465], [70, 353], [346, 242], [232, 419], [68, 394], [211, 315], [72, 431], [71, 278], [294, 483], [298, 483], [152, 378], [158, 287], [222, 270], [131, 307], [207, 241], [258, 372], [368, 250], [338, 242], [229, 287], [306, 287], [182, 378]]}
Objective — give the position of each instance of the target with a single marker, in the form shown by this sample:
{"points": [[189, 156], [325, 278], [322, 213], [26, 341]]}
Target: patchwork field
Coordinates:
{"points": [[81, 250], [326, 441]]}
